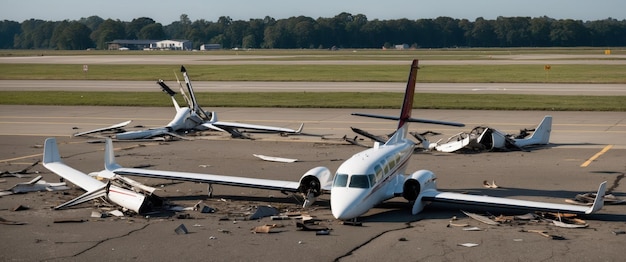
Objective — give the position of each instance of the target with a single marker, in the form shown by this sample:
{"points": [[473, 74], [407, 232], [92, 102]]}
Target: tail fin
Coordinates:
{"points": [[542, 132], [192, 96], [52, 161], [109, 161], [407, 103]]}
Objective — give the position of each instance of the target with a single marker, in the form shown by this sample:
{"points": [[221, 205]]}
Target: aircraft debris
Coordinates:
{"points": [[544, 234], [275, 159], [566, 225], [488, 185], [481, 218], [618, 232], [116, 213], [468, 244], [264, 211], [35, 185], [181, 230], [311, 227], [69, 220], [20, 208], [9, 222], [472, 229], [189, 119], [587, 199], [486, 138], [20, 173], [266, 229]]}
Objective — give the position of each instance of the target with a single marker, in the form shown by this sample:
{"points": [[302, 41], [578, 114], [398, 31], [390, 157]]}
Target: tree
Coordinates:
{"points": [[71, 36], [108, 31], [152, 31], [134, 28], [8, 31]]}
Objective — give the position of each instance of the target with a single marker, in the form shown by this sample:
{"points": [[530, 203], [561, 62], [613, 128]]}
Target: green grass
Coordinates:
{"points": [[323, 100], [331, 73]]}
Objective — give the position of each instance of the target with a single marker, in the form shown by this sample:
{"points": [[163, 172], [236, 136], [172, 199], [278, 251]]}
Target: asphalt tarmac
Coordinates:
{"points": [[389, 232]]}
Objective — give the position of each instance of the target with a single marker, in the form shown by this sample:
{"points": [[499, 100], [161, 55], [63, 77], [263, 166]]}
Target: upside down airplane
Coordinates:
{"points": [[360, 183], [190, 118], [491, 139]]}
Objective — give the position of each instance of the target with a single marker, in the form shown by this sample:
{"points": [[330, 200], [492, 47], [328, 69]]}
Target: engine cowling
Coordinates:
{"points": [[415, 185], [313, 182]]}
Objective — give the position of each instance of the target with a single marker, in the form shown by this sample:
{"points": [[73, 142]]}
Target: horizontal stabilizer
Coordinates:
{"points": [[108, 128], [90, 195], [166, 88], [414, 120]]}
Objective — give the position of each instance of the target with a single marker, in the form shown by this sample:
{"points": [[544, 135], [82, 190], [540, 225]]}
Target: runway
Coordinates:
{"points": [[256, 86], [586, 148]]}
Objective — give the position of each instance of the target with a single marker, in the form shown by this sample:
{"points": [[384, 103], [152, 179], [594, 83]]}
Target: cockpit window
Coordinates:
{"points": [[341, 180], [359, 181]]}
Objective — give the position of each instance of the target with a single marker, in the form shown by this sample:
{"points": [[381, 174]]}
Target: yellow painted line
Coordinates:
{"points": [[22, 157], [594, 157]]}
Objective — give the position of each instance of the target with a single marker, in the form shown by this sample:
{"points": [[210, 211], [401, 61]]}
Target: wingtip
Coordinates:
{"points": [[51, 151], [598, 202], [182, 69]]}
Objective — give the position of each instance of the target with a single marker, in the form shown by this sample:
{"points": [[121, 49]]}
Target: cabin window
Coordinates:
{"points": [[359, 181], [341, 180], [379, 171], [372, 178]]}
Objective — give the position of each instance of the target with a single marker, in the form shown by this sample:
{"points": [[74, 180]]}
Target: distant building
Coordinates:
{"points": [[123, 44], [205, 47], [402, 46], [173, 45]]}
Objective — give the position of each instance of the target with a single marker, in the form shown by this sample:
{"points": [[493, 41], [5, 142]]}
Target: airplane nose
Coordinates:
{"points": [[345, 205]]}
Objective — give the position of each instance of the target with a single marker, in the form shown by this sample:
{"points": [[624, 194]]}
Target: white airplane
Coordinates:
{"points": [[360, 183], [491, 139], [190, 118]]}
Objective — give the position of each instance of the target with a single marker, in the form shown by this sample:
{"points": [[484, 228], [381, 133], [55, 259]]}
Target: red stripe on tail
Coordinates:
{"points": [[407, 104]]}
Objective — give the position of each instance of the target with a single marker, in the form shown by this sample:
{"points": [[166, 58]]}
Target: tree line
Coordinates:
{"points": [[342, 31]]}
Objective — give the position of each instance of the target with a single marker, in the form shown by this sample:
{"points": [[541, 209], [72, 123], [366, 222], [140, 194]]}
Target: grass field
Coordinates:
{"points": [[566, 73]]}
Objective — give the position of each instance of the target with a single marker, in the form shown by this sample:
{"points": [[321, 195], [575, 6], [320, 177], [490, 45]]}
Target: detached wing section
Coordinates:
{"points": [[112, 168], [234, 125], [109, 128], [465, 199]]}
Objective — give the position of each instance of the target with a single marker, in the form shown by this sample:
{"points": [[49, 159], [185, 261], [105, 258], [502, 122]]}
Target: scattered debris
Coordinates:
{"points": [[264, 211], [276, 159], [323, 232], [468, 244], [181, 230], [619, 232], [566, 225], [544, 234], [69, 220], [9, 222], [352, 223], [472, 229], [480, 218], [116, 213], [488, 185], [266, 229], [20, 173], [587, 199], [34, 185], [20, 208], [310, 227]]}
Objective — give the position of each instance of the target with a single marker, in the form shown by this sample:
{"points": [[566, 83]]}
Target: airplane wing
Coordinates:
{"points": [[113, 127], [411, 119], [481, 200], [234, 125], [112, 168]]}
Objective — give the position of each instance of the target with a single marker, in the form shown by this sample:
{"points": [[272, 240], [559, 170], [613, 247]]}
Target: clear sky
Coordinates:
{"points": [[166, 12]]}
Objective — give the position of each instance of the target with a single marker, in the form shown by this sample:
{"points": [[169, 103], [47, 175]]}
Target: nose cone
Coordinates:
{"points": [[347, 203]]}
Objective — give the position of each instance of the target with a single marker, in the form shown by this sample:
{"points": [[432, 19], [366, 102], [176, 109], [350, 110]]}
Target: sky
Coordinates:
{"points": [[166, 12]]}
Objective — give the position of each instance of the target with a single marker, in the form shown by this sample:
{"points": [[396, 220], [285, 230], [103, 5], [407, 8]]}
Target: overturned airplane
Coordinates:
{"points": [[190, 118], [491, 139]]}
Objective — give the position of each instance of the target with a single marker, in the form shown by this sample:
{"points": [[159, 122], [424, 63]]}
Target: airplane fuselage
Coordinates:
{"points": [[369, 178]]}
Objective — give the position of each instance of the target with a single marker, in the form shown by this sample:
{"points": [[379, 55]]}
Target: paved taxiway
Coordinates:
{"points": [[549, 174]]}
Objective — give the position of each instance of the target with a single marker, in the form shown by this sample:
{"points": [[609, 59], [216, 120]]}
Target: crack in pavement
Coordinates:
{"points": [[408, 225], [96, 244]]}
